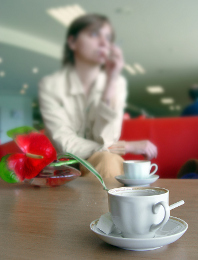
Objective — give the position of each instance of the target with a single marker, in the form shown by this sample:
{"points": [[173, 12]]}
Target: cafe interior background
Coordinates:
{"points": [[159, 40]]}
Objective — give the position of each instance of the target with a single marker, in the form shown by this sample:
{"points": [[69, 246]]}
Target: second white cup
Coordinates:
{"points": [[138, 169]]}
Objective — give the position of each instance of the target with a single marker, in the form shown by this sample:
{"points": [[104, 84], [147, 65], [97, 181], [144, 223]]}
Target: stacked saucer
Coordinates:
{"points": [[136, 182], [167, 234]]}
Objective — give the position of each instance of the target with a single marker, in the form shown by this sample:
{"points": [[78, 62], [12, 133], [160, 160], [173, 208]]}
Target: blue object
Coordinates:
{"points": [[191, 110], [191, 175]]}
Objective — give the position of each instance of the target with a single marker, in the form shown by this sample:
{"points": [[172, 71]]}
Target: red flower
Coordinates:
{"points": [[37, 150]]}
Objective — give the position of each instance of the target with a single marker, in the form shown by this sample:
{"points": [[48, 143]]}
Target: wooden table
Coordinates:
{"points": [[53, 223]]}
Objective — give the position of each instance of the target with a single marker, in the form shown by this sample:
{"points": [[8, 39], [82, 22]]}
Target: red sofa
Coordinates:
{"points": [[176, 139]]}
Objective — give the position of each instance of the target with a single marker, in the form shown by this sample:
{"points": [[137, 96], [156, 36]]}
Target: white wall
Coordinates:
{"points": [[15, 111]]}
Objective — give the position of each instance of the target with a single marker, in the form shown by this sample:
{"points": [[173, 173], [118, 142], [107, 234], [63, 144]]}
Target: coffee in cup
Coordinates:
{"points": [[138, 169], [138, 212]]}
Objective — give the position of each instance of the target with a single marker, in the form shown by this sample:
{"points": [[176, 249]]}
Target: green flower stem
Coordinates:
{"points": [[88, 166], [60, 163]]}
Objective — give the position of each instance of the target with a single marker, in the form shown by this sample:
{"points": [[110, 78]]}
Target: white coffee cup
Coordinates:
{"points": [[138, 212], [138, 169]]}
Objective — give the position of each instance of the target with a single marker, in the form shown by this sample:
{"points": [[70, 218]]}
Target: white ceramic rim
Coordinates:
{"points": [[137, 161], [114, 191]]}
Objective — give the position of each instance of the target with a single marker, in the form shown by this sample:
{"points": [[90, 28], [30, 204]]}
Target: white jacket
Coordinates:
{"points": [[76, 124]]}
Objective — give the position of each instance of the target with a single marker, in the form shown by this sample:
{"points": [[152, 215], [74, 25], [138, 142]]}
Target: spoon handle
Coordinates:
{"points": [[177, 204]]}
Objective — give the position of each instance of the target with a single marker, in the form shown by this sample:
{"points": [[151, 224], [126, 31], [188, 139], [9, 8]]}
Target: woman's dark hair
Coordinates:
{"points": [[193, 92], [79, 24]]}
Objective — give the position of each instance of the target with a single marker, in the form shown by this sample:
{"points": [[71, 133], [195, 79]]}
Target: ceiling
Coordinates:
{"points": [[162, 36]]}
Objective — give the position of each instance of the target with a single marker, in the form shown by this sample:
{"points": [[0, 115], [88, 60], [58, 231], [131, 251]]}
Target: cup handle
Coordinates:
{"points": [[156, 207], [156, 168]]}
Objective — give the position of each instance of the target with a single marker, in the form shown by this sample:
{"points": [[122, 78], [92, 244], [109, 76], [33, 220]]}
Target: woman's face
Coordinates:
{"points": [[93, 45]]}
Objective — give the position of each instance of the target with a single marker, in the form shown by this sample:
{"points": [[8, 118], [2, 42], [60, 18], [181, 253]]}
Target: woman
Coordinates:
{"points": [[82, 104]]}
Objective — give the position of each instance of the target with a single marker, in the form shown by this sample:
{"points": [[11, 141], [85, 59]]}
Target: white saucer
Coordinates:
{"points": [[167, 234], [136, 182]]}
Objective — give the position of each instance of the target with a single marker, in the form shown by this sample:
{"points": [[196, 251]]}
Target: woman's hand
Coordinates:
{"points": [[113, 66], [114, 63], [145, 148]]}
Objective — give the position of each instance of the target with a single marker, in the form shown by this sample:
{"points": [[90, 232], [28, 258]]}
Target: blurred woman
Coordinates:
{"points": [[82, 104]]}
